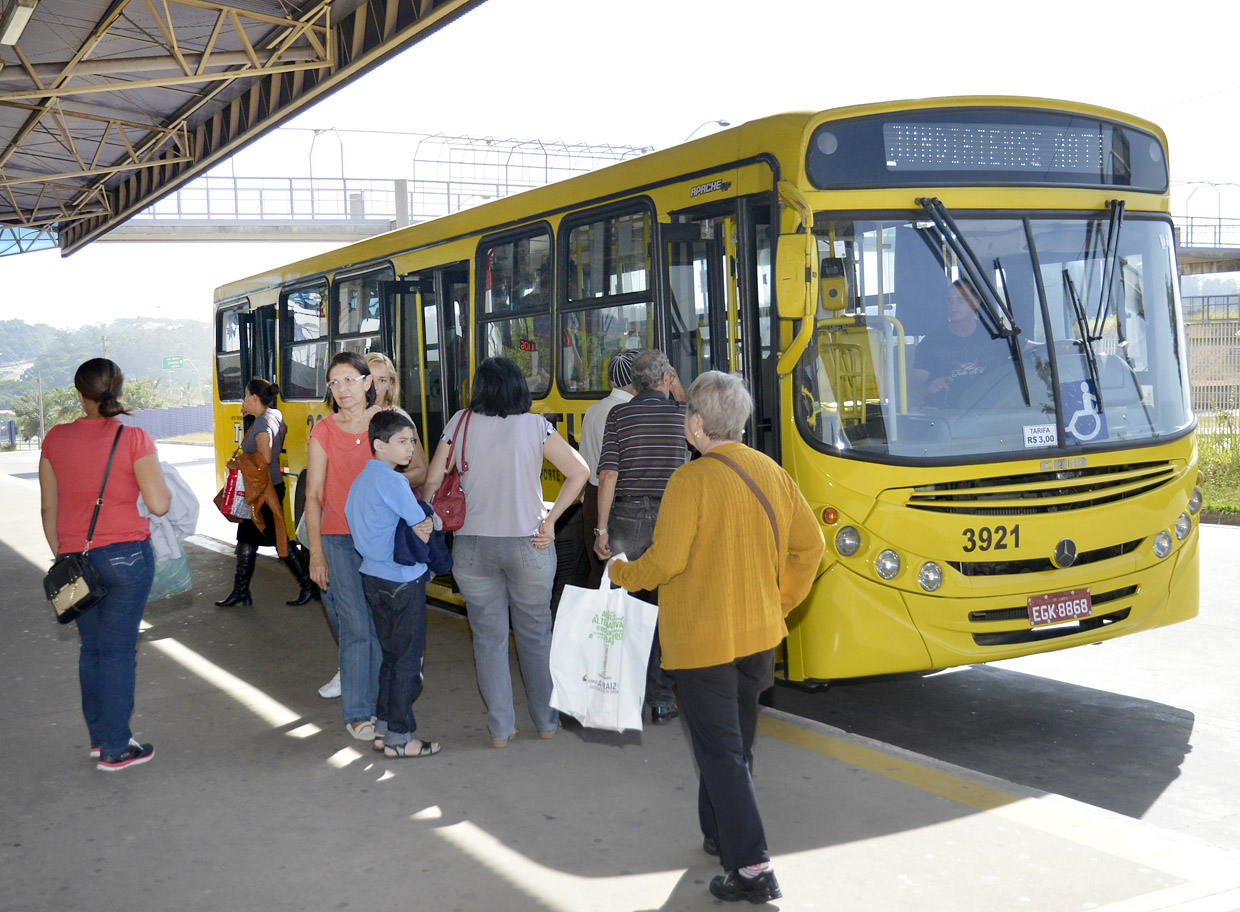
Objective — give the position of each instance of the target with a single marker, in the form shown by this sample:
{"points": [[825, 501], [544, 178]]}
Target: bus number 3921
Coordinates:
{"points": [[988, 539]]}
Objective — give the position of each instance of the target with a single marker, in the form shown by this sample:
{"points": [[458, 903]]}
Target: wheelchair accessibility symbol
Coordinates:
{"points": [[1085, 422]]}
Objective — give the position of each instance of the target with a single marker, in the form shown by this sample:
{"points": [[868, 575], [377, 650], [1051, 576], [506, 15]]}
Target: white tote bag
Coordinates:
{"points": [[599, 651]]}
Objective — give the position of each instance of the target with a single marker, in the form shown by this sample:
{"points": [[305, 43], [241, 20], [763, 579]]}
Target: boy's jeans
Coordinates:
{"points": [[399, 612]]}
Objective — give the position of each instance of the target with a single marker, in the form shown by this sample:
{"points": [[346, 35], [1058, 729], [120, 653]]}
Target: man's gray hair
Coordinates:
{"points": [[722, 402], [648, 369]]}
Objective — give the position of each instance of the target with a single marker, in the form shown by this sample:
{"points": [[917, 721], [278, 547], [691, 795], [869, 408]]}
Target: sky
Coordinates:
{"points": [[650, 72]]}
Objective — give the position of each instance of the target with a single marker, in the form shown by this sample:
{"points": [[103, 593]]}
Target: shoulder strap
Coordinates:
{"points": [[464, 434], [462, 427], [90, 534], [753, 486]]}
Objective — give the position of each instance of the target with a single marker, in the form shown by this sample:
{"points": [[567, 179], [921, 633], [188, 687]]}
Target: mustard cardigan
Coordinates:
{"points": [[713, 560]]}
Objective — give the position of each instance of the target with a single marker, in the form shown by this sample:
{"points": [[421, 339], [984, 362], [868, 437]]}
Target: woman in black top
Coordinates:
{"points": [[265, 438]]}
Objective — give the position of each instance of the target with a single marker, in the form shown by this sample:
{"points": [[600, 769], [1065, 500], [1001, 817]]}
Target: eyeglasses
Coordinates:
{"points": [[344, 381]]}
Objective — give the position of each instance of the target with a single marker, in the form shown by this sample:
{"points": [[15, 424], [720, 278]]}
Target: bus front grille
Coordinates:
{"points": [[1041, 634], [1021, 613], [1040, 564], [1042, 492]]}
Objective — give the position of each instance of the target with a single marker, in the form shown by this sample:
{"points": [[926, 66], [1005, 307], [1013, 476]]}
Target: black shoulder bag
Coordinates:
{"points": [[72, 585]]}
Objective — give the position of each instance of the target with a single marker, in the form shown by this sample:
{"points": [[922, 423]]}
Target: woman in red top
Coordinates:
{"points": [[70, 473], [339, 448]]}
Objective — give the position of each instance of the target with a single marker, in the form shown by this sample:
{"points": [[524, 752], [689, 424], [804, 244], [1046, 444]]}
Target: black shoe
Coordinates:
{"points": [[236, 597], [661, 715], [132, 755], [711, 846], [734, 886], [246, 556], [309, 591]]}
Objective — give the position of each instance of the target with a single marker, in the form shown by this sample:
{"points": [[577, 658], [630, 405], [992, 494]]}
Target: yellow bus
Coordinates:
{"points": [[959, 319]]}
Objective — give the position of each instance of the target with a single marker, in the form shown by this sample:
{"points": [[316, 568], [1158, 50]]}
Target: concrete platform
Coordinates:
{"points": [[258, 800]]}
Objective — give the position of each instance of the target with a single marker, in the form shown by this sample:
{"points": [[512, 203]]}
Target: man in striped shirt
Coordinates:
{"points": [[643, 444]]}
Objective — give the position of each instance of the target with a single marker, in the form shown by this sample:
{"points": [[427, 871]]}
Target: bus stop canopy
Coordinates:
{"points": [[106, 106]]}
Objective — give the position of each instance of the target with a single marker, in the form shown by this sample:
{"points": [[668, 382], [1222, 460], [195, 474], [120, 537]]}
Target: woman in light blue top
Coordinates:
{"points": [[503, 557]]}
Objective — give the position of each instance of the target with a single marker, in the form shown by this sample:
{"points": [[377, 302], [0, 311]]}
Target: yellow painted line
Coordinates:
{"points": [[962, 791], [1211, 871]]}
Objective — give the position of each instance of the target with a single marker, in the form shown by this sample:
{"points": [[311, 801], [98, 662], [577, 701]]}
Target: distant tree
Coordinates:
{"points": [[60, 406], [144, 393]]}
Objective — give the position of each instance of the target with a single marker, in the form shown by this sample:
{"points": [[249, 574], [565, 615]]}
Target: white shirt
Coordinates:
{"points": [[591, 445]]}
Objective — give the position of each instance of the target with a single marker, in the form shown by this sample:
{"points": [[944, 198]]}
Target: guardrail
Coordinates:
{"points": [[1207, 232], [297, 199]]}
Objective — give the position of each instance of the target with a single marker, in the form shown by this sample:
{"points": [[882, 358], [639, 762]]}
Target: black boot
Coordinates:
{"points": [[309, 591], [246, 555]]}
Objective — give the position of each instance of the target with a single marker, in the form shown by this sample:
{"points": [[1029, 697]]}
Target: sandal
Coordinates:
{"points": [[379, 743], [409, 752], [503, 742]]}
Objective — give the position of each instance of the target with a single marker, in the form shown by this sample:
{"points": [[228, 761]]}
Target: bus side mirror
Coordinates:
{"points": [[832, 286], [795, 277]]}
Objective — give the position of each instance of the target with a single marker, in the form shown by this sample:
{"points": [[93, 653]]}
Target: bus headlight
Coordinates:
{"points": [[930, 576], [847, 541], [1183, 525], [1162, 543], [888, 564], [1194, 502]]}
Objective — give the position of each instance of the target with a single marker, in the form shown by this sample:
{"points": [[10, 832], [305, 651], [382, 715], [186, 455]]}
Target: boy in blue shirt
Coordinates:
{"points": [[379, 498]]}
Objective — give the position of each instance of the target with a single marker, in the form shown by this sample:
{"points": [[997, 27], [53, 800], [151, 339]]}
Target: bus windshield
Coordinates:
{"points": [[1017, 336]]}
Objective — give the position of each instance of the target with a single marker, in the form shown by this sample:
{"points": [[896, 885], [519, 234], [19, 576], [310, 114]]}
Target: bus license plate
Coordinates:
{"points": [[1059, 606]]}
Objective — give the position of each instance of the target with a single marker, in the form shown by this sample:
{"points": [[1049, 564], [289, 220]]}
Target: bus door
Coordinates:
{"points": [[718, 314], [434, 345]]}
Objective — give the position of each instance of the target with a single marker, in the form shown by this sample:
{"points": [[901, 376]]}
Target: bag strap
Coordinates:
{"points": [[99, 502], [464, 425], [753, 486]]}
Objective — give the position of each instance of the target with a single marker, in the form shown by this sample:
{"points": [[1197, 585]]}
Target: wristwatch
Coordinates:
{"points": [[598, 532]]}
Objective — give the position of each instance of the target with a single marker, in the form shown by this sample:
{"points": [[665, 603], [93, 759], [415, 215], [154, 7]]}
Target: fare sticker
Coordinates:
{"points": [[1041, 435]]}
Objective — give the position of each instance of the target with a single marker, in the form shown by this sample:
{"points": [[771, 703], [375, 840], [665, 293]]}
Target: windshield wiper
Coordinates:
{"points": [[1110, 256], [1013, 342], [995, 310], [1084, 339]]}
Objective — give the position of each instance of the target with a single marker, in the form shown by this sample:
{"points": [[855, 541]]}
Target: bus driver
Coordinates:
{"points": [[951, 358]]}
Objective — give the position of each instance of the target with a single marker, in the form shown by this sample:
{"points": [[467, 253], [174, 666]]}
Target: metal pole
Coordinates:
{"points": [[42, 431]]}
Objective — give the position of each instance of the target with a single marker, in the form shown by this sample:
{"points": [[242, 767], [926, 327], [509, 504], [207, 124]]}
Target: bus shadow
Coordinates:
{"points": [[1105, 749]]}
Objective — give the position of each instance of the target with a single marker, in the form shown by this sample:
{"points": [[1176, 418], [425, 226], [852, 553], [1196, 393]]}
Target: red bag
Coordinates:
{"points": [[449, 500], [231, 498]]}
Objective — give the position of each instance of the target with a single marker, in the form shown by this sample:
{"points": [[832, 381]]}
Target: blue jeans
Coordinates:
{"points": [[506, 579], [720, 705], [632, 523], [399, 613], [360, 655], [108, 661]]}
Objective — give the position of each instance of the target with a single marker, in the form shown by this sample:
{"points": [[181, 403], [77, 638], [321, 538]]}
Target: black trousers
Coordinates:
{"points": [[720, 705]]}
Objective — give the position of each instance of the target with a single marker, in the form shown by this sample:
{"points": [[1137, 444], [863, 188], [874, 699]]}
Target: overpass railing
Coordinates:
{"points": [[1207, 231]]}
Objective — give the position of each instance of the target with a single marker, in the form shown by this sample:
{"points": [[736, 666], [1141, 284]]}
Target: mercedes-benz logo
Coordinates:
{"points": [[1065, 554]]}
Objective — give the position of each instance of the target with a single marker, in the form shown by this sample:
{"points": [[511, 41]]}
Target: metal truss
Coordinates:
{"points": [[158, 91]]}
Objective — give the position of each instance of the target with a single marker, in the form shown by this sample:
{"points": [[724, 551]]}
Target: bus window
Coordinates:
{"points": [[304, 342], [702, 318], [359, 317], [228, 332], [263, 343], [514, 312], [608, 288], [455, 347]]}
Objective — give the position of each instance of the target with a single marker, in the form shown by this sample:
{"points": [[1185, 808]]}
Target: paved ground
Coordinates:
{"points": [[257, 799]]}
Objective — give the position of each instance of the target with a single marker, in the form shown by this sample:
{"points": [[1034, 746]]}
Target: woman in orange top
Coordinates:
{"points": [[339, 448]]}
